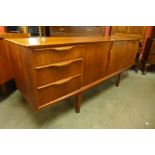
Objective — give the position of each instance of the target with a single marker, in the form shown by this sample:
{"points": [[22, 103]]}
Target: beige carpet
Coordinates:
{"points": [[131, 105]]}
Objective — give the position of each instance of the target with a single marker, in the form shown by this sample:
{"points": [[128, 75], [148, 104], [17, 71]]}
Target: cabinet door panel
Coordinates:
{"points": [[122, 55], [95, 61]]}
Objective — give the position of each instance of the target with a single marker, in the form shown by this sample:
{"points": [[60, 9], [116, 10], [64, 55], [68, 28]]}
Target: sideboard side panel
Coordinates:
{"points": [[22, 68]]}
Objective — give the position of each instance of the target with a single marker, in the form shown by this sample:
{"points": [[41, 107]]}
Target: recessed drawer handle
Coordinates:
{"points": [[60, 82], [63, 81], [61, 64], [57, 48], [63, 48]]}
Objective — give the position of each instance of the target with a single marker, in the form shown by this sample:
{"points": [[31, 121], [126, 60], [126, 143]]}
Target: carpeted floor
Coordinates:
{"points": [[131, 105]]}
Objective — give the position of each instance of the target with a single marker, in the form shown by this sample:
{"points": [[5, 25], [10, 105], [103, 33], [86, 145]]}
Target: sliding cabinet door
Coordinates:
{"points": [[95, 61], [122, 55]]}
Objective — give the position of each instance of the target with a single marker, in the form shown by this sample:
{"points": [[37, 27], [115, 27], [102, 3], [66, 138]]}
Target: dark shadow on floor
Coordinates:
{"points": [[11, 87], [151, 68]]}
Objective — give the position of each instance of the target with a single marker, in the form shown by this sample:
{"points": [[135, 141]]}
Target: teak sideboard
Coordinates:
{"points": [[49, 69]]}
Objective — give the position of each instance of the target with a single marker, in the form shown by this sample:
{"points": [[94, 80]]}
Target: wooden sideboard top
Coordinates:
{"points": [[138, 36], [34, 42]]}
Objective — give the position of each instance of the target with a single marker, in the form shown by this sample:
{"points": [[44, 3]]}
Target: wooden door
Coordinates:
{"points": [[122, 55], [95, 61]]}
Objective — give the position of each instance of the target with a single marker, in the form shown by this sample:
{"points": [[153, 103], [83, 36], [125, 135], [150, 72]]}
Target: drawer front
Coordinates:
{"points": [[53, 55], [57, 71], [58, 89]]}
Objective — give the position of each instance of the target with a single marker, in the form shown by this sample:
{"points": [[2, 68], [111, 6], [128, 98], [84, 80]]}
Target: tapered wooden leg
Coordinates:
{"points": [[4, 89], [136, 67], [144, 68], [137, 63], [78, 103], [117, 80]]}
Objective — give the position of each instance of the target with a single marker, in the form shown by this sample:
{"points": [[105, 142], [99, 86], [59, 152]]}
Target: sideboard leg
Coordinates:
{"points": [[144, 68], [117, 80], [78, 103], [136, 68], [4, 89], [137, 63]]}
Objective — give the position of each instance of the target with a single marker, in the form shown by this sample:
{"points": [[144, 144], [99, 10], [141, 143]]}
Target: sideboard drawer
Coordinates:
{"points": [[57, 71], [55, 90], [47, 56]]}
